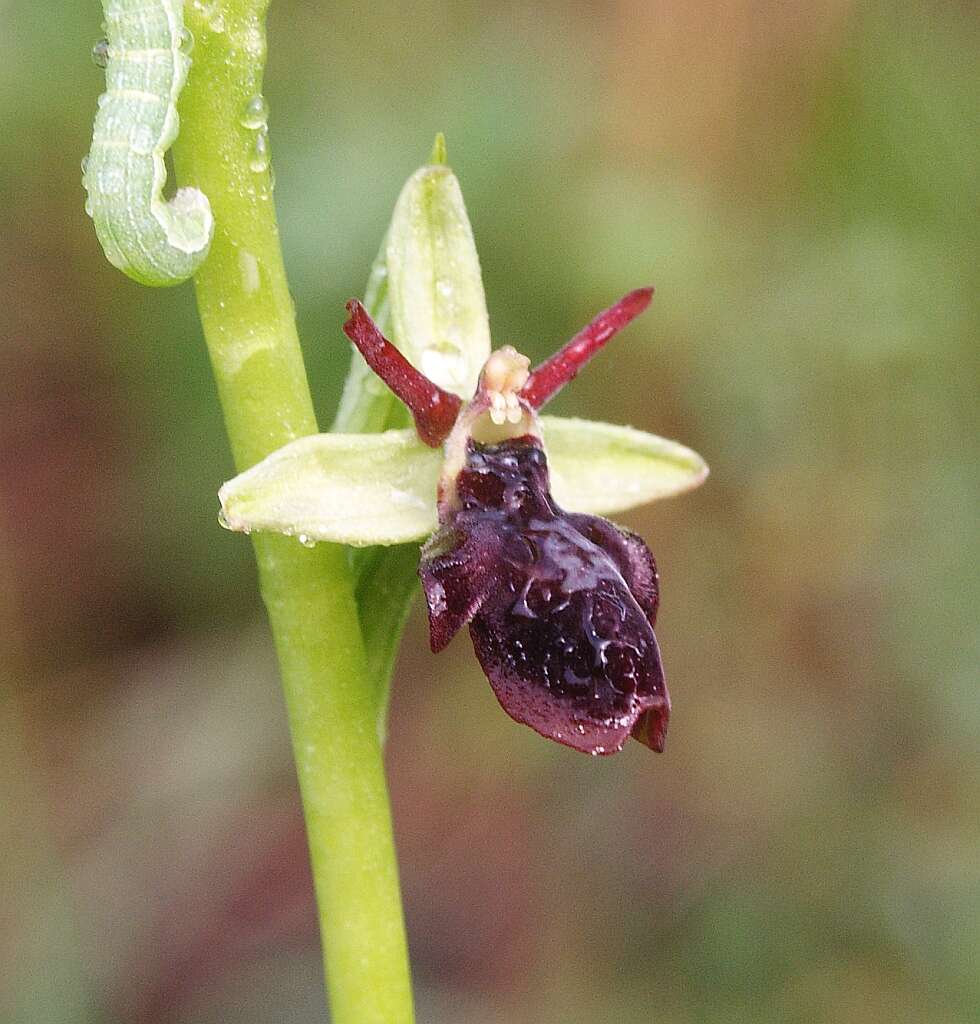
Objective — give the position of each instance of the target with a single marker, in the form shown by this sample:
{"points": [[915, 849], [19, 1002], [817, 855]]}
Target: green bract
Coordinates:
{"points": [[363, 489]]}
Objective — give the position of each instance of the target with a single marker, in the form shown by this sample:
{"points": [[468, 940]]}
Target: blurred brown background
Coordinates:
{"points": [[799, 181]]}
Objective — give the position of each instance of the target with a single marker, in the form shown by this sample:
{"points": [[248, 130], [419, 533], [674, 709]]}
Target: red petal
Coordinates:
{"points": [[554, 373], [434, 410], [632, 557]]}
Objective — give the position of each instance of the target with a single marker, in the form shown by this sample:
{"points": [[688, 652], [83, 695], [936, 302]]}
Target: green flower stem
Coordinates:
{"points": [[248, 321]]}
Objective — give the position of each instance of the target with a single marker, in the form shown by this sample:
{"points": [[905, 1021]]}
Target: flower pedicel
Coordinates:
{"points": [[561, 606]]}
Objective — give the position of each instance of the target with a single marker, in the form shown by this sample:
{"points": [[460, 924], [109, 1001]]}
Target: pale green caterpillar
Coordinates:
{"points": [[153, 240]]}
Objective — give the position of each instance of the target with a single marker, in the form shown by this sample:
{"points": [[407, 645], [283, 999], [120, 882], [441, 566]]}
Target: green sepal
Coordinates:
{"points": [[438, 308], [356, 489], [603, 468], [362, 489]]}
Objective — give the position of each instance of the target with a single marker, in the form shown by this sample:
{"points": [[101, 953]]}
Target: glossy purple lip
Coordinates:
{"points": [[560, 606]]}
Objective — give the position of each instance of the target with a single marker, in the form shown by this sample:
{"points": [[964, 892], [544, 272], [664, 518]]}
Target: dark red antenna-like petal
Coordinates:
{"points": [[554, 373], [434, 410]]}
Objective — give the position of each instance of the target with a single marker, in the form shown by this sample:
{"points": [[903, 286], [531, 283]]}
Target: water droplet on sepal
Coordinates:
{"points": [[444, 364], [211, 12], [100, 53]]}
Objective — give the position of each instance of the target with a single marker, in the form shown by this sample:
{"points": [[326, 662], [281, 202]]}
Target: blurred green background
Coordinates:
{"points": [[799, 181]]}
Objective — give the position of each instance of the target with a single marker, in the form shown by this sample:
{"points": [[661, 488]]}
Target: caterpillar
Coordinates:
{"points": [[146, 56]]}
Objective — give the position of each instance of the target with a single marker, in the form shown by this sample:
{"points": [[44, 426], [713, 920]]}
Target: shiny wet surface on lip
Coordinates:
{"points": [[560, 606]]}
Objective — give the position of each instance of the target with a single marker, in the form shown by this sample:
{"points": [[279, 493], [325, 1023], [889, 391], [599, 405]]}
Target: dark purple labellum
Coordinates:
{"points": [[561, 606]]}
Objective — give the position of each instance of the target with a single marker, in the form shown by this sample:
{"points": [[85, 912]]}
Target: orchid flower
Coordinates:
{"points": [[560, 603]]}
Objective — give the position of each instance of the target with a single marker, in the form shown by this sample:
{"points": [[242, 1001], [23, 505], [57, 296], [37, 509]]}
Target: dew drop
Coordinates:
{"points": [[256, 113], [100, 53], [211, 13], [84, 165], [444, 287], [186, 43], [259, 160], [442, 363], [223, 520], [306, 540]]}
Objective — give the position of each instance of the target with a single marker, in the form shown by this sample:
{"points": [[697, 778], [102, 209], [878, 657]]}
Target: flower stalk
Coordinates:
{"points": [[249, 327]]}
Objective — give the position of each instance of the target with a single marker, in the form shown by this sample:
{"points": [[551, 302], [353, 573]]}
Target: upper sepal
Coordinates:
{"points": [[426, 295], [438, 307]]}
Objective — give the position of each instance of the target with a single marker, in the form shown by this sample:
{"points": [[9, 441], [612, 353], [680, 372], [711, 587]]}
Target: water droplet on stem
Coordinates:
{"points": [[256, 113], [259, 160]]}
